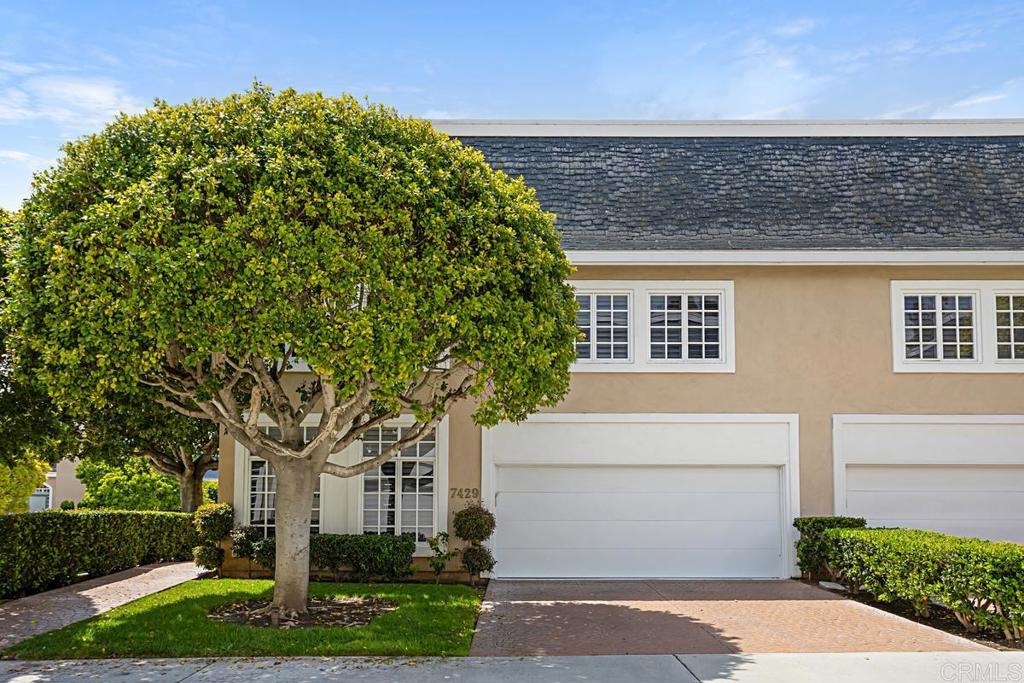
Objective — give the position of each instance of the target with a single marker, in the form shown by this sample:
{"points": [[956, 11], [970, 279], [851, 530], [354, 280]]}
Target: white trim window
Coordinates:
{"points": [[958, 326], [604, 322], [1010, 326], [263, 490], [399, 496], [655, 326]]}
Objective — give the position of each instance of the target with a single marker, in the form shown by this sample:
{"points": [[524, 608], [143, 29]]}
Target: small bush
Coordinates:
{"points": [[243, 541], [208, 556], [214, 522], [477, 559], [474, 523], [442, 554], [67, 505], [367, 557], [982, 582], [810, 549], [43, 550]]}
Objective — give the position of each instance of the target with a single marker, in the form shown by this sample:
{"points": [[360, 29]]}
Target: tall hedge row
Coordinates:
{"points": [[43, 550], [981, 581]]}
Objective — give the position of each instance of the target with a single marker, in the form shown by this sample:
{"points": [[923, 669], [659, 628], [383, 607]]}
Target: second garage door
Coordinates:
{"points": [[673, 497]]}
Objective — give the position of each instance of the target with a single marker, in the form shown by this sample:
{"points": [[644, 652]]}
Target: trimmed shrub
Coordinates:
{"points": [[474, 523], [44, 550], [477, 559], [214, 522], [67, 505], [366, 558], [243, 541], [208, 556], [982, 582], [810, 549]]}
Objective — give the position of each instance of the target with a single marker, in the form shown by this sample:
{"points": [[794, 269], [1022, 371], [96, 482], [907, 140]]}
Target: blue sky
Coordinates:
{"points": [[68, 67]]}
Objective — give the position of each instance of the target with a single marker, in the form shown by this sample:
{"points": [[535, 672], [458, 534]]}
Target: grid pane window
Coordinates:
{"points": [[603, 320], [1010, 327], [263, 489], [686, 326], [938, 326], [398, 496]]}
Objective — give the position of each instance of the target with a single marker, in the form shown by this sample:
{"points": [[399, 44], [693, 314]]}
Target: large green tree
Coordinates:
{"points": [[182, 447], [33, 427], [191, 255]]}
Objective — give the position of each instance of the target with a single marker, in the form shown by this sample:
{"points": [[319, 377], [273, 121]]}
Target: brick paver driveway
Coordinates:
{"points": [[528, 618]]}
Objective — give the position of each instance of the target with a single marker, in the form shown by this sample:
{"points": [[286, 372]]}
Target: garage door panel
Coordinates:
{"points": [[639, 479], [998, 530], [641, 506], [659, 563], [935, 478], [915, 505], [626, 535]]}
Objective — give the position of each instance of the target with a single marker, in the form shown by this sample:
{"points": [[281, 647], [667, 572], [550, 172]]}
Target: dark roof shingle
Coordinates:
{"points": [[773, 193]]}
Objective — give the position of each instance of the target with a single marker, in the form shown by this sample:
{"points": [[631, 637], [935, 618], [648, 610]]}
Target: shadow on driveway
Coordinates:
{"points": [[531, 618]]}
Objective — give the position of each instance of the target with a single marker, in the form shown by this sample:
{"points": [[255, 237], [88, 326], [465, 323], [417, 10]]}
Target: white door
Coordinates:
{"points": [[613, 496], [961, 475]]}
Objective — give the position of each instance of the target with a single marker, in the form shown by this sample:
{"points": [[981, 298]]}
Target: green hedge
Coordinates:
{"points": [[365, 557], [810, 548], [982, 582], [43, 550]]}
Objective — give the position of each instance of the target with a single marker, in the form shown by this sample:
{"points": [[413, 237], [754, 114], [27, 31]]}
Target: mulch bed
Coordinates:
{"points": [[323, 612], [939, 617]]}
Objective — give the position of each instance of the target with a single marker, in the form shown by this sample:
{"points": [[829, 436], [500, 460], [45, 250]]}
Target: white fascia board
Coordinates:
{"points": [[790, 257], [737, 129]]}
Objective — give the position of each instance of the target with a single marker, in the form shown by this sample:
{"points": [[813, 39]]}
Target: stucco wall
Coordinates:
{"points": [[809, 340]]}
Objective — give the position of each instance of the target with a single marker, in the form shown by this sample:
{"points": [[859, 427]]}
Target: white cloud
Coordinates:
{"points": [[15, 155], [1003, 101], [796, 27], [72, 99], [980, 99]]}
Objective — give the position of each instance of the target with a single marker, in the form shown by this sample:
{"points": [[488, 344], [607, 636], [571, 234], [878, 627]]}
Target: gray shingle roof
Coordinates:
{"points": [[773, 193]]}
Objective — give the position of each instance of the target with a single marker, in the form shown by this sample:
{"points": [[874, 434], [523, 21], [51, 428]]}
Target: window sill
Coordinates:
{"points": [[939, 368], [655, 367]]}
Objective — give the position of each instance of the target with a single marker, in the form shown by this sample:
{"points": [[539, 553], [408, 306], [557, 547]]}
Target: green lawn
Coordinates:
{"points": [[430, 620]]}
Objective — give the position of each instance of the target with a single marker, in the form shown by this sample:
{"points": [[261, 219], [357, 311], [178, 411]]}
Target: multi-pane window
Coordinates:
{"points": [[938, 326], [398, 496], [1010, 326], [263, 489], [603, 320], [686, 326]]}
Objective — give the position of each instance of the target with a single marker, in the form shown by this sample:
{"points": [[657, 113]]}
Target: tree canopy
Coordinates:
{"points": [[195, 254]]}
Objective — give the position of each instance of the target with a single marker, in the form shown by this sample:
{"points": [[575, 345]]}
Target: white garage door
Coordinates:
{"points": [[694, 497], [961, 475]]}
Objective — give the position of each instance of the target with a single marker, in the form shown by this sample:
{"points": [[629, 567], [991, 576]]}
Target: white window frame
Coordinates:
{"points": [[639, 293], [984, 293], [344, 514], [355, 484], [611, 290], [243, 473]]}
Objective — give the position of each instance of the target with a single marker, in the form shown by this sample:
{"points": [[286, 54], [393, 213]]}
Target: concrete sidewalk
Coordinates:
{"points": [[26, 617], [917, 667]]}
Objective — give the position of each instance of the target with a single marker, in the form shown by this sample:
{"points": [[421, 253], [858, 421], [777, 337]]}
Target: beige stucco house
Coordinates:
{"points": [[778, 319], [61, 484]]}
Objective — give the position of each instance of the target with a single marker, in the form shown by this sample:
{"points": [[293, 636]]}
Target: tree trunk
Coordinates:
{"points": [[295, 484], [190, 489]]}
